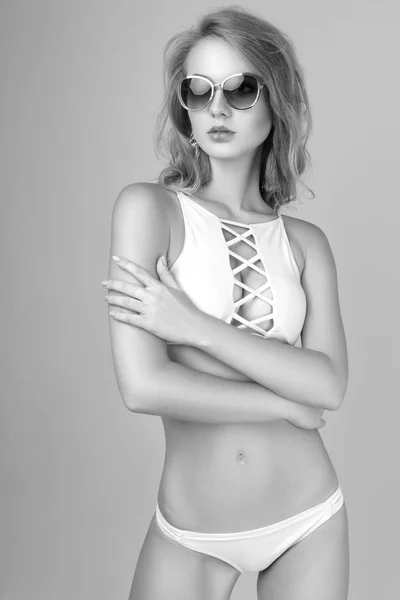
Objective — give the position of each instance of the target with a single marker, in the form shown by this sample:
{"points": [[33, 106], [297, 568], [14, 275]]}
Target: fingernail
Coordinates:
{"points": [[104, 283], [116, 258]]}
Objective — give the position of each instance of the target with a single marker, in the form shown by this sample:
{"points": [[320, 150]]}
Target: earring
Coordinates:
{"points": [[194, 144]]}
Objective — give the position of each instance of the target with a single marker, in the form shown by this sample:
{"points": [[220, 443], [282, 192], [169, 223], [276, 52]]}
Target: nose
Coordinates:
{"points": [[219, 105]]}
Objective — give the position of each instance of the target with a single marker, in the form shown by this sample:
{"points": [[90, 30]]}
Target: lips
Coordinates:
{"points": [[220, 129]]}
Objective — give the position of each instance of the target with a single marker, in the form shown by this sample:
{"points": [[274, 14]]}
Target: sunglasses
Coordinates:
{"points": [[241, 91]]}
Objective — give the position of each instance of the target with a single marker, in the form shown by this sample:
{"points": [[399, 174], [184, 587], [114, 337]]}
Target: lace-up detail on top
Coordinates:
{"points": [[243, 274], [249, 292]]}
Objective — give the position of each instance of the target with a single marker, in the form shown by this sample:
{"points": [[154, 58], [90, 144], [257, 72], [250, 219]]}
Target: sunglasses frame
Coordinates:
{"points": [[260, 85]]}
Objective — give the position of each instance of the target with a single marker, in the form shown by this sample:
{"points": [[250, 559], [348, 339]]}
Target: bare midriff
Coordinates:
{"points": [[222, 478]]}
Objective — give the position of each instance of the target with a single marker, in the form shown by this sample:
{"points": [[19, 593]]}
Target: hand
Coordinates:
{"points": [[163, 308], [306, 417]]}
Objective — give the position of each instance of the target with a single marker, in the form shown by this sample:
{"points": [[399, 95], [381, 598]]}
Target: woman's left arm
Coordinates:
{"points": [[314, 375]]}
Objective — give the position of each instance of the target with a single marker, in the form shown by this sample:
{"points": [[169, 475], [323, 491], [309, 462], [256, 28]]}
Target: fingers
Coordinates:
{"points": [[125, 302], [139, 272], [129, 289], [129, 318]]}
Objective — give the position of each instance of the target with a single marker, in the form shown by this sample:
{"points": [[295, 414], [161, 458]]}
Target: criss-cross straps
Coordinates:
{"points": [[247, 264]]}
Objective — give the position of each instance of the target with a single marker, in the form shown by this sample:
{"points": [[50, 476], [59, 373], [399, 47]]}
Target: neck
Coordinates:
{"points": [[235, 184]]}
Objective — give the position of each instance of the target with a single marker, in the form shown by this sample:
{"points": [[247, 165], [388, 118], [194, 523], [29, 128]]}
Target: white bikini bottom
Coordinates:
{"points": [[256, 549]]}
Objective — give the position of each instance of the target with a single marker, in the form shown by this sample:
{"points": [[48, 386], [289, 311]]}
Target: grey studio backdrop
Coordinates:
{"points": [[81, 84]]}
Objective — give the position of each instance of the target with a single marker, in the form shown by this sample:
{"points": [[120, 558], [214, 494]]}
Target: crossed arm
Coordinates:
{"points": [[299, 374], [314, 375]]}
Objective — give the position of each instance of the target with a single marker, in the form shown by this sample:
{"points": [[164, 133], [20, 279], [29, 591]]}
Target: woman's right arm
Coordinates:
{"points": [[148, 381]]}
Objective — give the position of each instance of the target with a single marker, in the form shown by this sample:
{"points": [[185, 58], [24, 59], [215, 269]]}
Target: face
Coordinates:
{"points": [[216, 60]]}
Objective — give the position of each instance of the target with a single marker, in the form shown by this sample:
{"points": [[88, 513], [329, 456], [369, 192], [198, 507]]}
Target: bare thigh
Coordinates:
{"points": [[166, 570], [317, 568]]}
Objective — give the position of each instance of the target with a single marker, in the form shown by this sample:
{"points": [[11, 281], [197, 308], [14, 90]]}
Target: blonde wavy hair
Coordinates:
{"points": [[284, 155]]}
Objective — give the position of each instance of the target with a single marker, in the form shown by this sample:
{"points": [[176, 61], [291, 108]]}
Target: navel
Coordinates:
{"points": [[242, 458]]}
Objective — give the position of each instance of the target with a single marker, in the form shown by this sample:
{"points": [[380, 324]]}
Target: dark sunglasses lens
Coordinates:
{"points": [[241, 91], [195, 93]]}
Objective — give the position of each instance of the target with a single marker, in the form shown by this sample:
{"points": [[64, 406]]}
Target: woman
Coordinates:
{"points": [[210, 341]]}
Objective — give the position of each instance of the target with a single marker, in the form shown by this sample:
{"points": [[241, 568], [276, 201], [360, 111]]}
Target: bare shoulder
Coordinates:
{"points": [[306, 234], [142, 196], [302, 228]]}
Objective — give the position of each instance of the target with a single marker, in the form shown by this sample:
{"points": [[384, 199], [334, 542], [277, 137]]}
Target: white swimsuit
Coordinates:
{"points": [[261, 293], [256, 549]]}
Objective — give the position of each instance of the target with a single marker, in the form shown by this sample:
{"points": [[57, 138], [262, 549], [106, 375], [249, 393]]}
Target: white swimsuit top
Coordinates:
{"points": [[243, 274]]}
